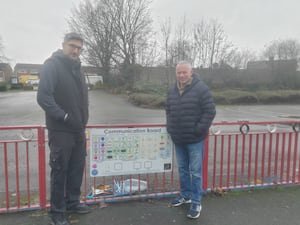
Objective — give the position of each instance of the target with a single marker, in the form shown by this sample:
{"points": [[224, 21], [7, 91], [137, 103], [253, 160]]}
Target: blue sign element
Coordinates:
{"points": [[94, 172]]}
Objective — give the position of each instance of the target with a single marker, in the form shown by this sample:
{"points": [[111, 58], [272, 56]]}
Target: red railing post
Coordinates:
{"points": [[42, 166], [205, 166], [6, 177]]}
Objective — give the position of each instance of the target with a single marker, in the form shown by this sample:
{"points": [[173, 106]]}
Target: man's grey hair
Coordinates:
{"points": [[183, 62], [73, 36]]}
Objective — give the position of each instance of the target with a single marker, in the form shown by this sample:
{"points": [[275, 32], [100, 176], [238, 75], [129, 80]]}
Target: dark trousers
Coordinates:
{"points": [[67, 159]]}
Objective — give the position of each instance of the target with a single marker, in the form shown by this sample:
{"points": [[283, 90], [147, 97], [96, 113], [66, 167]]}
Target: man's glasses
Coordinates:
{"points": [[75, 47]]}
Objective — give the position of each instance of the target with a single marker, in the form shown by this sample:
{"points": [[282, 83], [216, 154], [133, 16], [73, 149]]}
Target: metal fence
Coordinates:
{"points": [[238, 155]]}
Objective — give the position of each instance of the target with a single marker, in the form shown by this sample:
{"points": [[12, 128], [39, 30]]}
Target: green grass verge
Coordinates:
{"points": [[226, 97]]}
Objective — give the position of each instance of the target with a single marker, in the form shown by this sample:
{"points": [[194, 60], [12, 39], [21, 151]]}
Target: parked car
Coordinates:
{"points": [[31, 84]]}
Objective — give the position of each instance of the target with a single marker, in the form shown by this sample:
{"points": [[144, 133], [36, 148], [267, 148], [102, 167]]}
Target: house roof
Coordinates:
{"points": [[27, 68], [5, 67]]}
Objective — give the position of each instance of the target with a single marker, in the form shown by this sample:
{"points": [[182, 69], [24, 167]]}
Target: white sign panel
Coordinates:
{"points": [[121, 151]]}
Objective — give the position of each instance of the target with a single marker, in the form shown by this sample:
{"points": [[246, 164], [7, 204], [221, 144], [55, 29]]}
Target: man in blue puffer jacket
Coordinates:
{"points": [[190, 110], [62, 94]]}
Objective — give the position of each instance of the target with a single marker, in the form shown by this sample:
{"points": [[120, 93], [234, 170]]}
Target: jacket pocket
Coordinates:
{"points": [[197, 130], [74, 121]]}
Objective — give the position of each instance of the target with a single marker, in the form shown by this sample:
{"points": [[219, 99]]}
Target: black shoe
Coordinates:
{"points": [[58, 219], [79, 208]]}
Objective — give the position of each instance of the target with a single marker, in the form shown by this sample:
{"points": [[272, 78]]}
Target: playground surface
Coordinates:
{"points": [[269, 206]]}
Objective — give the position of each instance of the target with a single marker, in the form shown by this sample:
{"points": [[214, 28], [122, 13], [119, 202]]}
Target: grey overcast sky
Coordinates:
{"points": [[32, 29]]}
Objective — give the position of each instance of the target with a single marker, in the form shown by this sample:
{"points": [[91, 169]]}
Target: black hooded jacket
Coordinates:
{"points": [[62, 90], [189, 115]]}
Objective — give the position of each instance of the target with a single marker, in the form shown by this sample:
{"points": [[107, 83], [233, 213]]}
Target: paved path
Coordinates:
{"points": [[274, 206]]}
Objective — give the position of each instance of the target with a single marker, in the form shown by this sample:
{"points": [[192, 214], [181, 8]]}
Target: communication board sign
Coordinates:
{"points": [[121, 151]]}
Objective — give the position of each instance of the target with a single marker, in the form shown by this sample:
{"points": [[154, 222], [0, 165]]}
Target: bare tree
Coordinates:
{"points": [[165, 37], [182, 43], [165, 29], [133, 30], [180, 47], [2, 56], [211, 43], [283, 49], [133, 26], [116, 33], [94, 21], [181, 40], [241, 58], [148, 54], [201, 44]]}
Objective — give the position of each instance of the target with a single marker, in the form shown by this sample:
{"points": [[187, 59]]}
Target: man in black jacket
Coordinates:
{"points": [[190, 111], [62, 94]]}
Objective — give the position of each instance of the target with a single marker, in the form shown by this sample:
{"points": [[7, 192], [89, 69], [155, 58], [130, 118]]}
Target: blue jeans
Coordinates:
{"points": [[189, 161]]}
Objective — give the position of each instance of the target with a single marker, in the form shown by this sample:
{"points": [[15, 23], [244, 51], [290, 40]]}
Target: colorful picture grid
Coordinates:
{"points": [[130, 151]]}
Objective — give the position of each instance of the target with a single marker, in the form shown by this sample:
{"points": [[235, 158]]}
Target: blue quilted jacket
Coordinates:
{"points": [[189, 115]]}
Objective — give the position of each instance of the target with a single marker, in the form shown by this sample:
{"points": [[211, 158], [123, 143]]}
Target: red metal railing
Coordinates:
{"points": [[261, 154], [22, 184], [237, 155]]}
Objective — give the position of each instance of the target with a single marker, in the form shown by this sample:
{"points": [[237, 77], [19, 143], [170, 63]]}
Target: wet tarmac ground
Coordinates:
{"points": [[20, 108], [271, 206]]}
